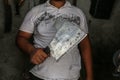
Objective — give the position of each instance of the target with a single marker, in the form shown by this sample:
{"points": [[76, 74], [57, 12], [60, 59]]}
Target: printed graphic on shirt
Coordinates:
{"points": [[47, 16]]}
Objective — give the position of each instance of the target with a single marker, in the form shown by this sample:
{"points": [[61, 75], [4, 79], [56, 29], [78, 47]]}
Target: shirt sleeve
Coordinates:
{"points": [[27, 24], [83, 22]]}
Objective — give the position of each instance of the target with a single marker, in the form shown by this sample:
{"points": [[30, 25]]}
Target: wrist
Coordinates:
{"points": [[34, 51]]}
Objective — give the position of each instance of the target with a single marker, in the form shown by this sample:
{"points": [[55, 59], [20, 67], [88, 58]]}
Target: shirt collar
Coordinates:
{"points": [[67, 4]]}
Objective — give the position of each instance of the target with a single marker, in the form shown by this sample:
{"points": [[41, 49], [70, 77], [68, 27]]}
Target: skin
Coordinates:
{"points": [[39, 55], [85, 48]]}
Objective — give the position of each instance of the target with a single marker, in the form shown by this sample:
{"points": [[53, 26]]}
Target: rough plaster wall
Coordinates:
{"points": [[105, 40], [1, 20], [11, 59], [104, 36]]}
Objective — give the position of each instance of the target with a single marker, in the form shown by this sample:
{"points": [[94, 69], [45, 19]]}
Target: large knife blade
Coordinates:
{"points": [[68, 35]]}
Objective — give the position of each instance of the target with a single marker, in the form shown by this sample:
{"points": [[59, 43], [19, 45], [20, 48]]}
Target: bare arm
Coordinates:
{"points": [[85, 48], [23, 42], [37, 56]]}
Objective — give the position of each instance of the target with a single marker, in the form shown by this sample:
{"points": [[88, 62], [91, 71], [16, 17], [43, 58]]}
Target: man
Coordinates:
{"points": [[39, 23]]}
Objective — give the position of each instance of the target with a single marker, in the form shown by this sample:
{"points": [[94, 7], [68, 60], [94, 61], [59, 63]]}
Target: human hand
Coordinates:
{"points": [[38, 56]]}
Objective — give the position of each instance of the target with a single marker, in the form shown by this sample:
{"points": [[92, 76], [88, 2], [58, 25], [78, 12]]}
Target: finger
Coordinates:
{"points": [[38, 61], [40, 57], [44, 55]]}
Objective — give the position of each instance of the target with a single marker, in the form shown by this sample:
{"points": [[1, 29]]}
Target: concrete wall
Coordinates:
{"points": [[105, 40], [104, 35]]}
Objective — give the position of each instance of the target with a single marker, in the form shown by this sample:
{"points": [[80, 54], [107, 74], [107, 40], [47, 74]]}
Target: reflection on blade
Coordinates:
{"points": [[68, 35]]}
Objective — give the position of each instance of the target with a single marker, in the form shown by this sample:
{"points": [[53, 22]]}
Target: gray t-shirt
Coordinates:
{"points": [[39, 21]]}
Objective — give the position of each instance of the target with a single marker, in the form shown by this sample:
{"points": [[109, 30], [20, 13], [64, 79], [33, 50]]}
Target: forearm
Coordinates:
{"points": [[37, 55], [87, 57], [23, 42], [25, 45]]}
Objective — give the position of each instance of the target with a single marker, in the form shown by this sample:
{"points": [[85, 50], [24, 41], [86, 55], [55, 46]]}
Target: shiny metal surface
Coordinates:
{"points": [[68, 35]]}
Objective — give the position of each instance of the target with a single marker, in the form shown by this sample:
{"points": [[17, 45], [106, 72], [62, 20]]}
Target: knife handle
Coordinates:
{"points": [[47, 50]]}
